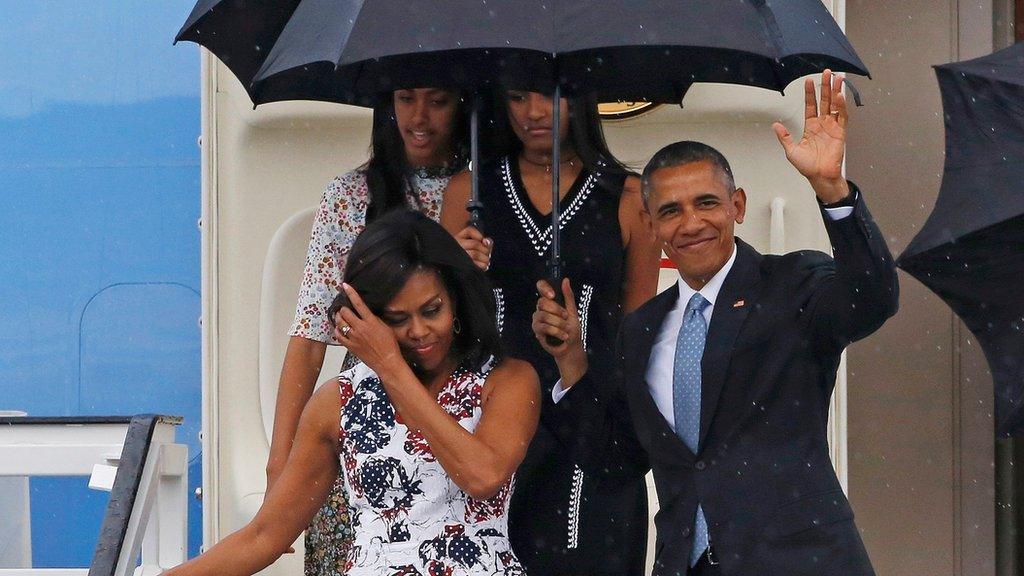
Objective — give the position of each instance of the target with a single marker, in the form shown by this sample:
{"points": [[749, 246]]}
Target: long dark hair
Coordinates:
{"points": [[585, 134], [388, 174], [402, 242]]}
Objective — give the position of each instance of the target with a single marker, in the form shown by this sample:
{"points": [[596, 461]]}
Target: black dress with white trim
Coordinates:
{"points": [[563, 521]]}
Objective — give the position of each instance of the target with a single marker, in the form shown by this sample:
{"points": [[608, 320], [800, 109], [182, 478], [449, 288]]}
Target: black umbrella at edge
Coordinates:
{"points": [[971, 249]]}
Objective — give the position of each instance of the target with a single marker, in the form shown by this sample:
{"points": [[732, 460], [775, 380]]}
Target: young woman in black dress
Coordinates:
{"points": [[562, 521]]}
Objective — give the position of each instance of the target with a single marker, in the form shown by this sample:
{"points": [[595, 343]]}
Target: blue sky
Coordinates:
{"points": [[92, 52]]}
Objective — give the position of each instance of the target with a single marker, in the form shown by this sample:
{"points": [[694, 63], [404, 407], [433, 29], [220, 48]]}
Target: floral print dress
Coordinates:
{"points": [[408, 516], [340, 218]]}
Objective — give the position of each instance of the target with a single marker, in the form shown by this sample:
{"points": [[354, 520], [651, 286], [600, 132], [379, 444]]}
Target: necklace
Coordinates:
{"points": [[547, 166]]}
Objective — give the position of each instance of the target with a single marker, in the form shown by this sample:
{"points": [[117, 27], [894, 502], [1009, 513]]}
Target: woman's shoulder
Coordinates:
{"points": [[322, 409], [351, 184], [460, 178], [345, 200], [457, 189], [515, 376], [512, 369], [632, 196]]}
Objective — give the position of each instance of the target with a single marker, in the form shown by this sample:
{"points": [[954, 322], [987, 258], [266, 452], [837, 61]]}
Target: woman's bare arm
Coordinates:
{"points": [[482, 461], [289, 506], [302, 363], [478, 462], [453, 208], [643, 254]]}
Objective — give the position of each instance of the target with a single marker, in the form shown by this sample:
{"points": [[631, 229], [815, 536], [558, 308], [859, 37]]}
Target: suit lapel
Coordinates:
{"points": [[735, 299], [651, 321]]}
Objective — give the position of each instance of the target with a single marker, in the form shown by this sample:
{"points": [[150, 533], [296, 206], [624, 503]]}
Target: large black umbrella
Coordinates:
{"points": [[971, 249], [617, 49]]}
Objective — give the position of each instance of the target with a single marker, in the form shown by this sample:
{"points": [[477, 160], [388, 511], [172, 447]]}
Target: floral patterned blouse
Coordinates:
{"points": [[339, 220], [408, 515]]}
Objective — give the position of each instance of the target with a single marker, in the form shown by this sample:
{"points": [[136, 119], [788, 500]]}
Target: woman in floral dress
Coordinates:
{"points": [[427, 429], [419, 138]]}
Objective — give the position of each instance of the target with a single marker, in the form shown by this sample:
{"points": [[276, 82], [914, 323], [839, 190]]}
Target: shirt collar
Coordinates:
{"points": [[711, 289]]}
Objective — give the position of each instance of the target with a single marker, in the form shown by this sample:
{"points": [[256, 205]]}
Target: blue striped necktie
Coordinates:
{"points": [[686, 397]]}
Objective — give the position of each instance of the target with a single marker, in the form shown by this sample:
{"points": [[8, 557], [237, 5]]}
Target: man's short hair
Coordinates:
{"points": [[682, 153]]}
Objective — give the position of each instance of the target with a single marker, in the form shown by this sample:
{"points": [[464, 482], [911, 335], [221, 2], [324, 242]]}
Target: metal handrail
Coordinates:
{"points": [[136, 459], [123, 495]]}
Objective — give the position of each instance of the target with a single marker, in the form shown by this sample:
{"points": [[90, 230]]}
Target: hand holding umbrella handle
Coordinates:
{"points": [[555, 280], [474, 207], [558, 328]]}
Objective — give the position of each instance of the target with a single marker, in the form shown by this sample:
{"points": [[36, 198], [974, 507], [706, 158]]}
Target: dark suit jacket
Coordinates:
{"points": [[762, 470]]}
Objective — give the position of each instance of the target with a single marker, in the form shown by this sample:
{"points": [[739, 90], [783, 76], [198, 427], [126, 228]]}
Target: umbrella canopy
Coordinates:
{"points": [[240, 33], [618, 49], [656, 49], [351, 51], [971, 249]]}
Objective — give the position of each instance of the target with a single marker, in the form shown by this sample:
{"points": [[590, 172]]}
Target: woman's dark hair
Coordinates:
{"points": [[388, 174], [585, 134], [402, 242]]}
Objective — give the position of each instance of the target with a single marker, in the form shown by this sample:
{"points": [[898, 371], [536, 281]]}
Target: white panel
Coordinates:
{"points": [[102, 477], [282, 273], [64, 434], [44, 460]]}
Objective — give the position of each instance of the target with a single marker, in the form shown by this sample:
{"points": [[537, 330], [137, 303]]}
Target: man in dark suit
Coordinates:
{"points": [[723, 381]]}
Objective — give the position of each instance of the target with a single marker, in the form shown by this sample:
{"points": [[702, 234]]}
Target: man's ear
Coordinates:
{"points": [[739, 204]]}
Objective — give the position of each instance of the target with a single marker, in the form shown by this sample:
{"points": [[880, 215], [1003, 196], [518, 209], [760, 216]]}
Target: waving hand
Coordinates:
{"points": [[818, 155]]}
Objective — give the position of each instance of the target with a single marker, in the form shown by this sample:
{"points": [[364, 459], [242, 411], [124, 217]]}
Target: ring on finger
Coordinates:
{"points": [[346, 330]]}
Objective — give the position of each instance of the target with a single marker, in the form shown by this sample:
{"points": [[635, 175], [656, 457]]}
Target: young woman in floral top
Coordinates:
{"points": [[419, 138], [426, 430]]}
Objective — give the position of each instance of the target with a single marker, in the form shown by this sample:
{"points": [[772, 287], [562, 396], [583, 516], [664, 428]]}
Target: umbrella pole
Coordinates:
{"points": [[474, 206], [555, 263]]}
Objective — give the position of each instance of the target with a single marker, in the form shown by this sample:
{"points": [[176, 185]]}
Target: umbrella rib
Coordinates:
{"points": [[774, 35], [337, 61], [771, 26]]}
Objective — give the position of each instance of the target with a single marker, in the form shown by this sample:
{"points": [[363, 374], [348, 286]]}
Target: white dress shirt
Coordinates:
{"points": [[663, 350]]}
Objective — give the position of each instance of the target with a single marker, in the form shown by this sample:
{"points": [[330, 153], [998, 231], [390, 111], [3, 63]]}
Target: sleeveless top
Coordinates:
{"points": [[592, 253], [409, 516]]}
